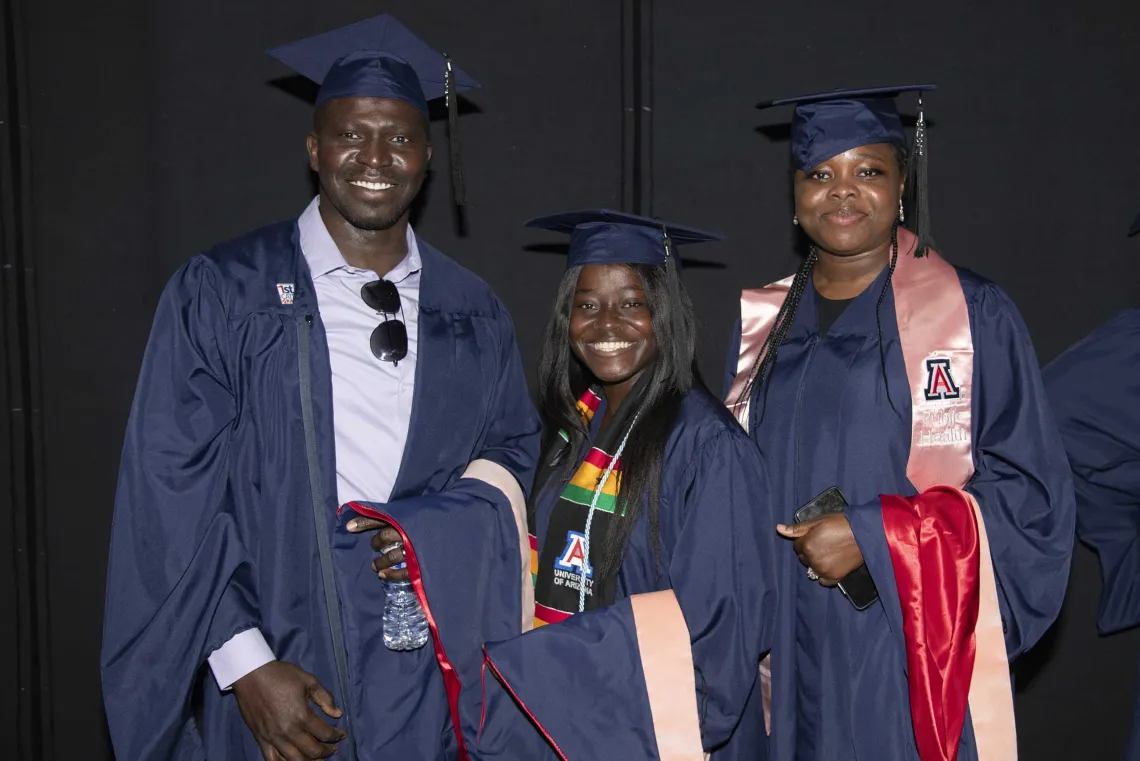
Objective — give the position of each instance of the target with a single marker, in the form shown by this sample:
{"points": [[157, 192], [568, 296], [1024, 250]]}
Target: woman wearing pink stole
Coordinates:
{"points": [[921, 485]]}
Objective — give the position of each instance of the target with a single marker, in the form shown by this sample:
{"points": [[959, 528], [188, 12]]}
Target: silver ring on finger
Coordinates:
{"points": [[390, 547]]}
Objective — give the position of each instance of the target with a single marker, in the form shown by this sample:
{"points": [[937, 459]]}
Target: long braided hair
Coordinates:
{"points": [[765, 362]]}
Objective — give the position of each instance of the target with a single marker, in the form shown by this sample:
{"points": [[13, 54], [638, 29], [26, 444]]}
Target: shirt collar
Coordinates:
{"points": [[323, 256]]}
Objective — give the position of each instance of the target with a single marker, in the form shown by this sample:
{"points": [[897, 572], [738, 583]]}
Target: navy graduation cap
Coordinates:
{"points": [[380, 58], [602, 236], [827, 124], [375, 58]]}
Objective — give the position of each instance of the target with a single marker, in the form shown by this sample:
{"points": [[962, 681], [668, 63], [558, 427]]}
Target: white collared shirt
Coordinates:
{"points": [[372, 400]]}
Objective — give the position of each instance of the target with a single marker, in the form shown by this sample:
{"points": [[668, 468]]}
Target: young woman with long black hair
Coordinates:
{"points": [[650, 529]]}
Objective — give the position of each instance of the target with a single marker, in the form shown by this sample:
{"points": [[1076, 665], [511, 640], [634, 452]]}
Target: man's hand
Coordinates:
{"points": [[825, 545], [388, 542], [274, 701]]}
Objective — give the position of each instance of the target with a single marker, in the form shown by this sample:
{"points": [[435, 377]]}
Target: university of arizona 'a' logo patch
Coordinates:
{"points": [[940, 381], [573, 556], [285, 292]]}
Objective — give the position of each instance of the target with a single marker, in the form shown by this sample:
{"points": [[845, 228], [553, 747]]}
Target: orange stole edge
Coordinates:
{"points": [[667, 663], [494, 474], [991, 691]]}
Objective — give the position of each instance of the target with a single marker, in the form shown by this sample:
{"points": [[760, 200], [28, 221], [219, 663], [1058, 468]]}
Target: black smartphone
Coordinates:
{"points": [[858, 586]]}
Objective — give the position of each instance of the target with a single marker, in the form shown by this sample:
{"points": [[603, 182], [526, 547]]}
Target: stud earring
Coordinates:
{"points": [[796, 219]]}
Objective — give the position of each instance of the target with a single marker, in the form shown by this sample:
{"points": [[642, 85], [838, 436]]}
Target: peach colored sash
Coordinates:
{"points": [[667, 662], [938, 352], [758, 309], [494, 474], [991, 693]]}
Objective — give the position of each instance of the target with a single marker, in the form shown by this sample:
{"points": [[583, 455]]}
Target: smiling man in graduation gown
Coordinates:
{"points": [[1094, 388], [282, 380]]}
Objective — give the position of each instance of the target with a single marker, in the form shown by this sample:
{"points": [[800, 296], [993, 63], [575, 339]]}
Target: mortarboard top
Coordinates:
{"points": [[375, 58], [1135, 226], [830, 123], [601, 236]]}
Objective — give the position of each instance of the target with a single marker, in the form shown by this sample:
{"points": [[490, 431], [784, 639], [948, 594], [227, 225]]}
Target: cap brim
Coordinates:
{"points": [[870, 92], [565, 222]]}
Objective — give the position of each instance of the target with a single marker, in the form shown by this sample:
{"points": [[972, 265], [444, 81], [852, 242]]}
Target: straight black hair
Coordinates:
{"points": [[563, 379]]}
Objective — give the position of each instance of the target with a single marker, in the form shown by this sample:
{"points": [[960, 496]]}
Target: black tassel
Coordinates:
{"points": [[458, 188], [918, 188]]}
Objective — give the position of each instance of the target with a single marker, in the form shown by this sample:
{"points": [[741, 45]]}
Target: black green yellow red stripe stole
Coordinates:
{"points": [[587, 405], [555, 601], [580, 489]]}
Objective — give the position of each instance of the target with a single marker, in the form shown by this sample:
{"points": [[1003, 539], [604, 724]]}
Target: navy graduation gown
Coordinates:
{"points": [[1094, 388], [582, 682], [228, 463], [839, 675]]}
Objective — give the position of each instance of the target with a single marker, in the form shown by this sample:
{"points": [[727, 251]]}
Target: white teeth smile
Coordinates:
{"points": [[611, 346], [371, 185]]}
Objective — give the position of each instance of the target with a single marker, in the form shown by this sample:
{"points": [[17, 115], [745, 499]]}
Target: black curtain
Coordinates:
{"points": [[24, 675], [136, 133]]}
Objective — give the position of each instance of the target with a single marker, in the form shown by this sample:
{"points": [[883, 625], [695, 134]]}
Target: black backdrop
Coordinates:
{"points": [[135, 133]]}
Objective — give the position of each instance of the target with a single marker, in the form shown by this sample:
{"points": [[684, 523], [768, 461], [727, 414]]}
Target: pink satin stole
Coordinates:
{"points": [[758, 310], [938, 352]]}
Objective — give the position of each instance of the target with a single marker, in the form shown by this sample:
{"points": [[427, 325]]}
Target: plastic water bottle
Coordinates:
{"points": [[405, 625]]}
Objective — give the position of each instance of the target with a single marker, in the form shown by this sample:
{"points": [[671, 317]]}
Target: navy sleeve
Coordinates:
{"points": [[514, 428], [723, 572], [179, 583], [1094, 389], [1022, 480]]}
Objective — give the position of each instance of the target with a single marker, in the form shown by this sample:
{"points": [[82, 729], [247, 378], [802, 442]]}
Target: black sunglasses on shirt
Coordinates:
{"points": [[389, 341]]}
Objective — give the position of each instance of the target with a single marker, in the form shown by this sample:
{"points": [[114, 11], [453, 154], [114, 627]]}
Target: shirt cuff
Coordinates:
{"points": [[243, 653]]}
